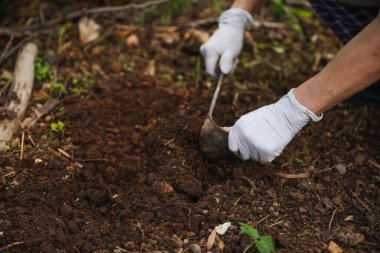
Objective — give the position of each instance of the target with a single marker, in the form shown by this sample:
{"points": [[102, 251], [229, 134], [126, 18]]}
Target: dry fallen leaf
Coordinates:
{"points": [[89, 30], [37, 161], [169, 35], [132, 41], [211, 239], [151, 68], [7, 75], [332, 247], [196, 36], [349, 218], [222, 229]]}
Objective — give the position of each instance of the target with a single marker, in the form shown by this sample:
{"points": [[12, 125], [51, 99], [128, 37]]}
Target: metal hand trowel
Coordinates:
{"points": [[214, 139]]}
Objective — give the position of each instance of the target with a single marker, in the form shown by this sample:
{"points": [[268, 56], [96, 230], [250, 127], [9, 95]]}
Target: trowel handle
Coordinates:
{"points": [[216, 94]]}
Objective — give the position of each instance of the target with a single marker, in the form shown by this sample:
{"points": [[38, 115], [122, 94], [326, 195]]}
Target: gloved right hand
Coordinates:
{"points": [[226, 42], [263, 134]]}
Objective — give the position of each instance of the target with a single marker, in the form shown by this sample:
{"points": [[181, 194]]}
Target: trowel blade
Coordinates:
{"points": [[213, 140]]}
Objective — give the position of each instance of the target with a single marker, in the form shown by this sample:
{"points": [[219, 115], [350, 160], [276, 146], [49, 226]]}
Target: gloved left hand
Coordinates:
{"points": [[226, 42], [263, 134]]}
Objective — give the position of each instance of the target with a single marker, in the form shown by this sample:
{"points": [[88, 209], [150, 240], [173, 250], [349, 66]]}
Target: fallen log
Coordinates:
{"points": [[19, 94]]}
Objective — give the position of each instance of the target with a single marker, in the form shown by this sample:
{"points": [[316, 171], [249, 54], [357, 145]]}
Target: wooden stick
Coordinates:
{"points": [[294, 176], [374, 164], [19, 93], [46, 108], [77, 14], [332, 218], [22, 145], [10, 245]]}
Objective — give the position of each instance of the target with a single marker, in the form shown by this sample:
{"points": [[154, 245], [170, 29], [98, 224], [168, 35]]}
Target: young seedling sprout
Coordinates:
{"points": [[263, 243], [58, 127]]}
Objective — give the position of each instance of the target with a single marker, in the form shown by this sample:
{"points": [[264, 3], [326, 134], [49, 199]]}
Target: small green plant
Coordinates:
{"points": [[55, 89], [218, 5], [289, 14], [42, 72], [77, 85], [263, 243], [6, 148], [175, 6], [58, 127]]}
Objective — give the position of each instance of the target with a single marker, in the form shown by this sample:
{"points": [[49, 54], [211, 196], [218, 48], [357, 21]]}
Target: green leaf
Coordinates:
{"points": [[302, 13], [265, 244], [247, 229], [54, 127], [279, 50]]}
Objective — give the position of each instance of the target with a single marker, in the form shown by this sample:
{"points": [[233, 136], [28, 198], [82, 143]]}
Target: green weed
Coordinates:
{"points": [[290, 15], [58, 127], [175, 6], [263, 243], [42, 72], [55, 89], [6, 148]]}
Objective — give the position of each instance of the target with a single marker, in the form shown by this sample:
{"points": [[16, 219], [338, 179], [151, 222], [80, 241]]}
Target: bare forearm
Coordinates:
{"points": [[353, 69], [248, 5]]}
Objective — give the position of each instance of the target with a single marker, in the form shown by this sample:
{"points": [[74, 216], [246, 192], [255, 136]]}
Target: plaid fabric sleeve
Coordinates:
{"points": [[346, 21]]}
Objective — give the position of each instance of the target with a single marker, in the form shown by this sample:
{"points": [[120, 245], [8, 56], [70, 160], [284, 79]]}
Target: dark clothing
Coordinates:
{"points": [[345, 20]]}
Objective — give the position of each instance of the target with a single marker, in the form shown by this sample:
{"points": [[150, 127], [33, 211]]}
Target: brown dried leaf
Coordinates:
{"points": [[196, 36], [151, 68], [7, 75], [211, 239], [332, 247], [132, 41], [89, 30]]}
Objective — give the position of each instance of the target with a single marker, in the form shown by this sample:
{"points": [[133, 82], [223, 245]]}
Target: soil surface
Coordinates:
{"points": [[127, 173]]}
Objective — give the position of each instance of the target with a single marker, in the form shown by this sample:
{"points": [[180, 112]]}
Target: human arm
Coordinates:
{"points": [[248, 5], [263, 134], [355, 67]]}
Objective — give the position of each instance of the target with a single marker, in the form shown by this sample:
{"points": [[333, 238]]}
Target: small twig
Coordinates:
{"points": [[294, 176], [331, 236], [237, 201], [64, 153], [250, 182], [46, 107], [249, 247], [7, 46], [332, 217], [93, 160], [374, 164], [31, 140], [22, 145], [353, 193], [274, 224], [263, 219], [3, 91], [6, 55], [141, 230], [121, 249], [77, 14], [10, 245], [100, 39], [361, 202]]}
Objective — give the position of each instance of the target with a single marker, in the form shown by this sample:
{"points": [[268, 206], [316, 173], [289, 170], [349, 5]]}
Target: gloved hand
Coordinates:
{"points": [[263, 134], [226, 42]]}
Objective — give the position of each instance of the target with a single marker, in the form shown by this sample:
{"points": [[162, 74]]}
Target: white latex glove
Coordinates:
{"points": [[263, 134], [226, 42]]}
